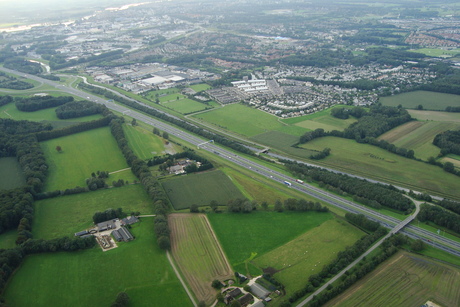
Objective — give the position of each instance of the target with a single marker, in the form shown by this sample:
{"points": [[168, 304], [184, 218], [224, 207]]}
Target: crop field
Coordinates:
{"points": [[296, 260], [200, 189], [405, 280], [94, 278], [10, 111], [185, 106], [241, 119], [143, 142], [12, 175], [247, 236], [373, 162], [198, 254], [419, 136], [454, 159], [82, 154], [435, 116], [65, 215], [429, 100], [200, 87]]}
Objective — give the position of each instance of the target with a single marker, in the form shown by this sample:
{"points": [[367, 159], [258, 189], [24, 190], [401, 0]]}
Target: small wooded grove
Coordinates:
{"points": [[440, 216], [166, 117], [168, 160], [448, 141], [383, 195], [35, 103], [75, 109]]}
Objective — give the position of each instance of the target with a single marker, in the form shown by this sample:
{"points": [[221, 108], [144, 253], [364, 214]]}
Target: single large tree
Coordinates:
{"points": [[58, 148]]}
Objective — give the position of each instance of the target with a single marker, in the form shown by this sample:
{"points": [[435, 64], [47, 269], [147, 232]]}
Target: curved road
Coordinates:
{"points": [[443, 243]]}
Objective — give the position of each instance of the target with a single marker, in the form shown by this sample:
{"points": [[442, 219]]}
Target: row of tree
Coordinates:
{"points": [[361, 221], [450, 205], [343, 259], [388, 249], [108, 214], [440, 217], [76, 109], [35, 103], [174, 120], [150, 183], [385, 195]]}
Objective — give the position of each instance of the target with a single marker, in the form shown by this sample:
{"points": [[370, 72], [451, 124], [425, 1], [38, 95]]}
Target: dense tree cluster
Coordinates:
{"points": [[77, 109], [168, 160], [385, 195], [108, 214], [13, 83], [440, 217], [450, 205], [361, 221], [35, 103], [343, 259], [19, 64], [321, 155], [5, 100], [122, 300], [448, 141], [58, 61], [164, 116], [150, 183]]}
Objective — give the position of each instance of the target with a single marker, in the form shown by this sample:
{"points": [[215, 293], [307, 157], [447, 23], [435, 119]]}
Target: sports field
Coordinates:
{"points": [[143, 142], [185, 105], [200, 87], [247, 236], [418, 136], [405, 280], [82, 153], [371, 161], [296, 260], [241, 119], [94, 278], [65, 215], [429, 100], [12, 175], [200, 189], [198, 254]]}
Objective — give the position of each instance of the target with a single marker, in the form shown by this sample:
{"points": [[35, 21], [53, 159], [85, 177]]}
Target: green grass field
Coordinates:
{"points": [[185, 106], [374, 162], [405, 280], [429, 100], [241, 119], [10, 111], [8, 239], [94, 278], [198, 254], [200, 189], [247, 236], [307, 254], [82, 153], [200, 87], [418, 136], [12, 175], [435, 116], [65, 215], [433, 52], [322, 119], [144, 143]]}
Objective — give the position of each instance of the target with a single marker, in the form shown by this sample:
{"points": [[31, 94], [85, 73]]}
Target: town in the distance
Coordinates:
{"points": [[230, 153]]}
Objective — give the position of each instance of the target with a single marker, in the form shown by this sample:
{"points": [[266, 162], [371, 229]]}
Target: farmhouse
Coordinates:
{"points": [[259, 291], [129, 220], [106, 225]]}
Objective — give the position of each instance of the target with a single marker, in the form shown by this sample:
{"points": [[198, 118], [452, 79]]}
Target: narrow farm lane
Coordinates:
{"points": [[181, 280]]}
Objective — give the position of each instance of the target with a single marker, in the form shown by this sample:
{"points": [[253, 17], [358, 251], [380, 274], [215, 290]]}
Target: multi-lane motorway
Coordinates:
{"points": [[438, 241]]}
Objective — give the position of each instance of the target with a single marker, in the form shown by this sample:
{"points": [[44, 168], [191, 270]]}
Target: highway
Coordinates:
{"points": [[435, 240]]}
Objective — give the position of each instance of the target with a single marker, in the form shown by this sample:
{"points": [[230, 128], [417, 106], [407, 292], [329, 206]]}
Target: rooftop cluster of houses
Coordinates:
{"points": [[251, 85]]}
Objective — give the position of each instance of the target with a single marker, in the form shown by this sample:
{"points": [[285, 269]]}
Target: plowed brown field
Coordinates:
{"points": [[198, 254]]}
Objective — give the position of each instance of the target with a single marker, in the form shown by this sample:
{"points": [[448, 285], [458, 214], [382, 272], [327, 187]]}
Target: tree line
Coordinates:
{"points": [[440, 217], [108, 214], [13, 83], [76, 109], [174, 120], [35, 103], [361, 221], [19, 64], [150, 183], [386, 196], [450, 205]]}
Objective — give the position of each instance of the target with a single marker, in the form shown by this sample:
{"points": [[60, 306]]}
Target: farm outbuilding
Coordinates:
{"points": [[259, 291]]}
